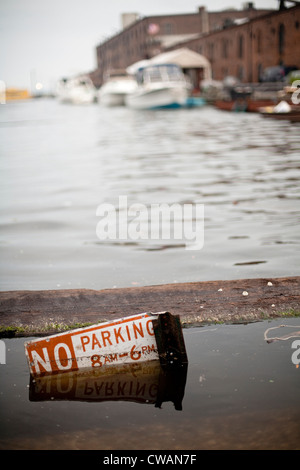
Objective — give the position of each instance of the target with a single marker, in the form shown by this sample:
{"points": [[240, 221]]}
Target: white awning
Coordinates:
{"points": [[184, 57]]}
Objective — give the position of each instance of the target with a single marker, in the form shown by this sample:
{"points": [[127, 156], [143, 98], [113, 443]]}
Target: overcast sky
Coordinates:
{"points": [[44, 40]]}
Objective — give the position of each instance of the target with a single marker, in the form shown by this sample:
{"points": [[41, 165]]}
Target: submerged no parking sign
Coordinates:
{"points": [[128, 340]]}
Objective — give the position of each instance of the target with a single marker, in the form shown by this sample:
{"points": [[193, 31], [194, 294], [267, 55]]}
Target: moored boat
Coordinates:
{"points": [[249, 105], [78, 90], [247, 97], [159, 86], [115, 89], [282, 111]]}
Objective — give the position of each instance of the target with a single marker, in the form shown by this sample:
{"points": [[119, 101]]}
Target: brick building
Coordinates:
{"points": [[142, 38], [236, 42], [245, 50]]}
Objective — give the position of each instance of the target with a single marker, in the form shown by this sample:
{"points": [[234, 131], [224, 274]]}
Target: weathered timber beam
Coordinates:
{"points": [[195, 303]]}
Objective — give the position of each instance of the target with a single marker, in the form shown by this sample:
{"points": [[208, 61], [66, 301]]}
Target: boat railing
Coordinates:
{"points": [[158, 73]]}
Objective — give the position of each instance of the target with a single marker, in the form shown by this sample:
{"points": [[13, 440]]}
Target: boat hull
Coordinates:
{"points": [[114, 92], [251, 106], [113, 99], [282, 111], [76, 91], [164, 97], [292, 116], [78, 96]]}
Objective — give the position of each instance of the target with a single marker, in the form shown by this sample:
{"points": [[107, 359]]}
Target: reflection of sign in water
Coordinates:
{"points": [[2, 352], [146, 382], [131, 340]]}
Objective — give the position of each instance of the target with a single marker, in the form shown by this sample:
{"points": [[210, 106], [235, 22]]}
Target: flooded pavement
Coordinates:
{"points": [[238, 392], [59, 163]]}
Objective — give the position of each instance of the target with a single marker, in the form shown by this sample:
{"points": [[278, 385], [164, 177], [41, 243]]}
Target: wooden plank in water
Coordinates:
{"points": [[30, 312]]}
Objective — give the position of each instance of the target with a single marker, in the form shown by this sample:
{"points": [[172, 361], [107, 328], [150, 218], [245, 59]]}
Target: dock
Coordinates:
{"points": [[34, 313]]}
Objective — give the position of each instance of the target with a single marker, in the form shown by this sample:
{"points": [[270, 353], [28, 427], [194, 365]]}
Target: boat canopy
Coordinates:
{"points": [[183, 57], [132, 69], [159, 72], [186, 59]]}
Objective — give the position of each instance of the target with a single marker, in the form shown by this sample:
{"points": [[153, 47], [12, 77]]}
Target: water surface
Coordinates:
{"points": [[59, 163]]}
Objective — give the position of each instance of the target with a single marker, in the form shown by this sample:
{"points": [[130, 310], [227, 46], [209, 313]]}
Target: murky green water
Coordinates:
{"points": [[239, 392]]}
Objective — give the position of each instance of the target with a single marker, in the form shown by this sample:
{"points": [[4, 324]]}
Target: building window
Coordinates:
{"points": [[281, 38], [224, 72], [225, 48], [240, 72], [169, 28], [259, 42], [259, 72], [211, 51], [240, 47]]}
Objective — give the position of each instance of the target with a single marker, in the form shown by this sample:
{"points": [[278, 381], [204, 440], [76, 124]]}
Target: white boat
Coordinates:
{"points": [[159, 86], [115, 89], [78, 90], [62, 90]]}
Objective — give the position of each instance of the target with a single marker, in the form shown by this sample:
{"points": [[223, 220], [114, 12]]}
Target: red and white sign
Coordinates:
{"points": [[128, 340]]}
